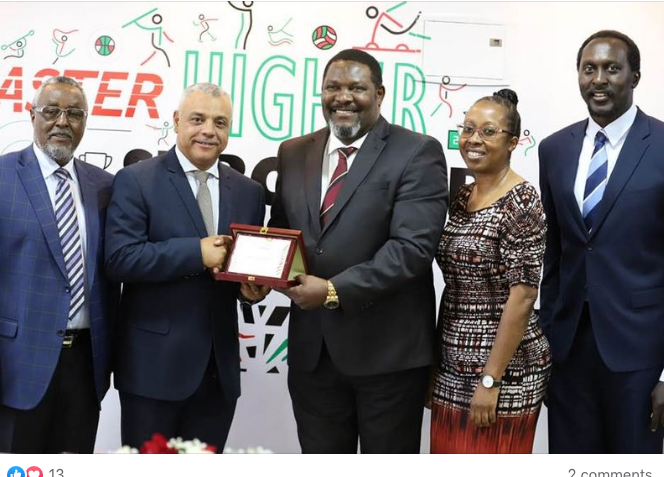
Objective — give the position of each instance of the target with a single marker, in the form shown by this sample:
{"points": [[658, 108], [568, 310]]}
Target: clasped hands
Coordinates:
{"points": [[215, 250]]}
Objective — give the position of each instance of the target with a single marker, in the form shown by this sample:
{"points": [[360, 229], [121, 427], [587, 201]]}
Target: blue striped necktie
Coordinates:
{"points": [[596, 181], [70, 239]]}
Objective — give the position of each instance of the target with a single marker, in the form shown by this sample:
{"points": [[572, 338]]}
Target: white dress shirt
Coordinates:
{"points": [[48, 167], [212, 182], [616, 133], [331, 160]]}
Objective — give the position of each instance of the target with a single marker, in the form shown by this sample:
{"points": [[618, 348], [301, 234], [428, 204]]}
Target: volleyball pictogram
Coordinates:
{"points": [[324, 37]]}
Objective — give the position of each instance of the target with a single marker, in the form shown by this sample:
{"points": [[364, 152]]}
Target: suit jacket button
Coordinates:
{"points": [[61, 332], [590, 248], [319, 250], [67, 289]]}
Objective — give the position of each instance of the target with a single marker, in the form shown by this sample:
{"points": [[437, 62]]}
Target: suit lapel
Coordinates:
{"points": [[569, 171], [313, 173], [91, 207], [179, 180], [31, 176], [225, 200], [362, 164], [631, 153]]}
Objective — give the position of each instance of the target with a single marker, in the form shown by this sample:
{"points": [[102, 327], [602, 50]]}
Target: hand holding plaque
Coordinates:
{"points": [[265, 256], [253, 293]]}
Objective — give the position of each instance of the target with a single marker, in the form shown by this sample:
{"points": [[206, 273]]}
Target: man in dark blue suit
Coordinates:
{"points": [[178, 360], [55, 306], [602, 295]]}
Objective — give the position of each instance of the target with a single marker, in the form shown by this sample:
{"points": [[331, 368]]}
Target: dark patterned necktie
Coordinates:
{"points": [[596, 181], [336, 182], [70, 239]]}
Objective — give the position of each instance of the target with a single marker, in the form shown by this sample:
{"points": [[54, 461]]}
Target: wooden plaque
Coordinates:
{"points": [[265, 256]]}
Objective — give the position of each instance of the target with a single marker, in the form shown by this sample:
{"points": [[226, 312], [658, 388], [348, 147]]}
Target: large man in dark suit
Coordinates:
{"points": [[602, 295], [361, 331], [178, 361], [55, 306]]}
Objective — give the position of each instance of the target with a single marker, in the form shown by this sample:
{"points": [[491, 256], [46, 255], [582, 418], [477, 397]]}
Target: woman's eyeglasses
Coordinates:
{"points": [[488, 133]]}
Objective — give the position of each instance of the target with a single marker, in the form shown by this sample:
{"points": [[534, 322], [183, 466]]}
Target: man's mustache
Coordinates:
{"points": [[60, 132]]}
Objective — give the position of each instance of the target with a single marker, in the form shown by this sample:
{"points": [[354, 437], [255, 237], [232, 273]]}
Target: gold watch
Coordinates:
{"points": [[332, 300]]}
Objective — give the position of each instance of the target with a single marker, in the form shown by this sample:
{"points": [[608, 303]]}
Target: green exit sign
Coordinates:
{"points": [[453, 139]]}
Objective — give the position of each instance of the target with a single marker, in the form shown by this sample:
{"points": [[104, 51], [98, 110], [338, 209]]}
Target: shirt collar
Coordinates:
{"points": [[334, 143], [617, 129], [48, 165], [187, 166]]}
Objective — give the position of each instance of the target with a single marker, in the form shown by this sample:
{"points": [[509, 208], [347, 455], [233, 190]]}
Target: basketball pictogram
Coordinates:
{"points": [[104, 45]]}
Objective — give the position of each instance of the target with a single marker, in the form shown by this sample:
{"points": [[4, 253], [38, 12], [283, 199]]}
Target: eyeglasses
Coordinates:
{"points": [[487, 133], [52, 113]]}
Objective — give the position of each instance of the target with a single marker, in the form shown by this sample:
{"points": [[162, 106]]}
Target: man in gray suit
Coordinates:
{"points": [[370, 199]]}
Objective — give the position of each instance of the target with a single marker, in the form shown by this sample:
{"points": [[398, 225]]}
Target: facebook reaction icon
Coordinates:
{"points": [[15, 472], [33, 471]]}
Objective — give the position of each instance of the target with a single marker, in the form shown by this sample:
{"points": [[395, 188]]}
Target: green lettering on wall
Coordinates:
{"points": [[190, 61], [409, 89], [237, 93], [276, 126], [216, 65], [311, 96]]}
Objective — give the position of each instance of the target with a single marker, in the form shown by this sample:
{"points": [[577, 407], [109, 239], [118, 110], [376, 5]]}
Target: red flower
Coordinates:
{"points": [[212, 449], [157, 445]]}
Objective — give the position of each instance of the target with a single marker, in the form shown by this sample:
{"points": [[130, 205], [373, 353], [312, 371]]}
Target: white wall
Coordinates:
{"points": [[274, 86]]}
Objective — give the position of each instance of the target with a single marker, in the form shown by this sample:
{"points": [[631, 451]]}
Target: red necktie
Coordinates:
{"points": [[335, 183]]}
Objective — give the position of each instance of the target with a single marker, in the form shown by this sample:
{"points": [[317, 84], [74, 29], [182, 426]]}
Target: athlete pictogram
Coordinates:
{"points": [[247, 17], [157, 33], [443, 90], [203, 23], [60, 38], [17, 47], [280, 36], [167, 126], [391, 25]]}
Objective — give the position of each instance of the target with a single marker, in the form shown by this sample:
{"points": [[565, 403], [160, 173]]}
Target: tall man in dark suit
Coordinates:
{"points": [[370, 199], [55, 306], [178, 360], [602, 295]]}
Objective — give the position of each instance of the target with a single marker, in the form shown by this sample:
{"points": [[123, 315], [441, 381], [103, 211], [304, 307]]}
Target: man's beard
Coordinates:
{"points": [[345, 132], [60, 154]]}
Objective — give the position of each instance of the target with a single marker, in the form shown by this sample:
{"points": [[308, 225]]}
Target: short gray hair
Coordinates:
{"points": [[59, 80], [207, 88]]}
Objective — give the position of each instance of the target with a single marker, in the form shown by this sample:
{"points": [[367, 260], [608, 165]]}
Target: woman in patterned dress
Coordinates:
{"points": [[494, 360]]}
